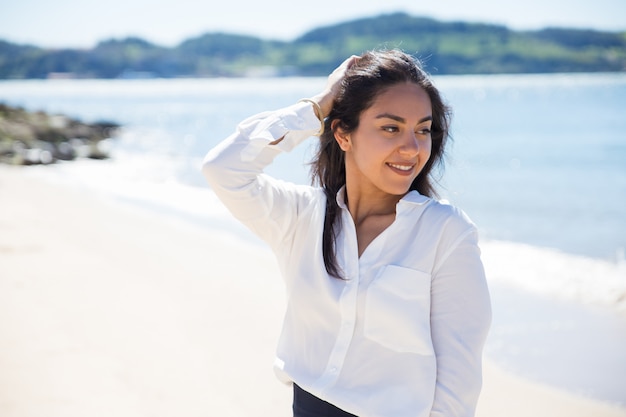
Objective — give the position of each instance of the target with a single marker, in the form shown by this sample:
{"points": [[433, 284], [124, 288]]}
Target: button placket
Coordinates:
{"points": [[347, 306], [345, 331]]}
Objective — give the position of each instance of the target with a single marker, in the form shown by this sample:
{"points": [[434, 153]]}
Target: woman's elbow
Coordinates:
{"points": [[208, 169], [212, 168]]}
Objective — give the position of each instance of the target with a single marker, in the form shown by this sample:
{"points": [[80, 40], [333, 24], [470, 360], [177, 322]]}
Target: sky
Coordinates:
{"points": [[83, 23]]}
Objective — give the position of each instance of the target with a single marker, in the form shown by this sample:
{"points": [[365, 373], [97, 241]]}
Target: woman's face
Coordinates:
{"points": [[392, 142]]}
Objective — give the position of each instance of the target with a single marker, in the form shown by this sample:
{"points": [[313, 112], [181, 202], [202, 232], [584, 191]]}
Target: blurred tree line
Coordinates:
{"points": [[444, 47]]}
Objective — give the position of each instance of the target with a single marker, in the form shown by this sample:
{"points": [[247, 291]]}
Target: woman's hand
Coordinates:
{"points": [[326, 98]]}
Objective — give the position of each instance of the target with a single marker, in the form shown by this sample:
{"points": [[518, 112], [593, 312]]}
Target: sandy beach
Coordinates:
{"points": [[107, 309]]}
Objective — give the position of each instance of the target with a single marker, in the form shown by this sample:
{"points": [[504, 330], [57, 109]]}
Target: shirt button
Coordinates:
{"points": [[333, 370]]}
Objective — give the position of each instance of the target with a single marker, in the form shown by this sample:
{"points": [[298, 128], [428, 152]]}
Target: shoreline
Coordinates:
{"points": [[109, 309]]}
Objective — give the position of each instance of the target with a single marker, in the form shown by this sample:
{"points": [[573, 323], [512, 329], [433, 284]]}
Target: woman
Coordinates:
{"points": [[388, 308]]}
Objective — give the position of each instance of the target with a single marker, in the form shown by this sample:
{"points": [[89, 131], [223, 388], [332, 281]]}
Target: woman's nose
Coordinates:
{"points": [[410, 145]]}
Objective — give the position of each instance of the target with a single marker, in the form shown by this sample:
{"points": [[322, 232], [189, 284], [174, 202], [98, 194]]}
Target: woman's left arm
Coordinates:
{"points": [[460, 320]]}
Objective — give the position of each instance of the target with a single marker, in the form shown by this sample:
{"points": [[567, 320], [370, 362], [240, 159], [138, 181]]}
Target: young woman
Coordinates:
{"points": [[388, 307]]}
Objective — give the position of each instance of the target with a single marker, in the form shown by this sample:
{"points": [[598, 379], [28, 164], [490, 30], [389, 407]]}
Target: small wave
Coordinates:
{"points": [[553, 273]]}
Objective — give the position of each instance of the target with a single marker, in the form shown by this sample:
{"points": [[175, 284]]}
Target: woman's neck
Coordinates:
{"points": [[371, 213], [363, 203]]}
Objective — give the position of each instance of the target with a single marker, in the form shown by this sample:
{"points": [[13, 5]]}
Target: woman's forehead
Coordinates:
{"points": [[404, 100]]}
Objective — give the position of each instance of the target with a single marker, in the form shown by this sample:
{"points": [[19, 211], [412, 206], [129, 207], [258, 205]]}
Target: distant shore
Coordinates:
{"points": [[445, 47], [110, 309]]}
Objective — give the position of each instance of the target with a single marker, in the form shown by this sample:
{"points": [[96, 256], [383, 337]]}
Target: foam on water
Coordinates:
{"points": [[552, 273]]}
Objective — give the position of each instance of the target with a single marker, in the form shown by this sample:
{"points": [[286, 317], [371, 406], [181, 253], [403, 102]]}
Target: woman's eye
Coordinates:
{"points": [[390, 129], [424, 131]]}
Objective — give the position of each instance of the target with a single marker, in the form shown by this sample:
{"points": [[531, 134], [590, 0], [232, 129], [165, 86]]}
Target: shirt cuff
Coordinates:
{"points": [[294, 124]]}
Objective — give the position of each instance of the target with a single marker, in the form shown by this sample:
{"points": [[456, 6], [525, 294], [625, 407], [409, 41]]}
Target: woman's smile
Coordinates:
{"points": [[402, 169]]}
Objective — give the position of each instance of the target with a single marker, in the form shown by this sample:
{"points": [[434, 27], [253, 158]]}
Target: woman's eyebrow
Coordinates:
{"points": [[401, 119]]}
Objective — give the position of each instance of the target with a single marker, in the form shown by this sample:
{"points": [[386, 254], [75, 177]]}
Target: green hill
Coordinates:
{"points": [[445, 48]]}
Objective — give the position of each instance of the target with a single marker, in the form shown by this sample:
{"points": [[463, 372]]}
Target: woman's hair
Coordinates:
{"points": [[369, 76]]}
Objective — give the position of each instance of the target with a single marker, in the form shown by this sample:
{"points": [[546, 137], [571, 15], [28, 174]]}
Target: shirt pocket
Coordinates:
{"points": [[397, 310]]}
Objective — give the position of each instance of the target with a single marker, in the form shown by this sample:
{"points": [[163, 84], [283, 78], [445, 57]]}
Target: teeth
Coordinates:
{"points": [[401, 167]]}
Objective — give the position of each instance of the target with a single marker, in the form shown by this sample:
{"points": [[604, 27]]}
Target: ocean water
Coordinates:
{"points": [[537, 161]]}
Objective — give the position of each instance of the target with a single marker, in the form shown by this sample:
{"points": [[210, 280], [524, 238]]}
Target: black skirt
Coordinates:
{"points": [[308, 405]]}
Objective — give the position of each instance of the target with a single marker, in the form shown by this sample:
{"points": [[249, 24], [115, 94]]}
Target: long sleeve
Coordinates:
{"points": [[460, 320], [234, 169]]}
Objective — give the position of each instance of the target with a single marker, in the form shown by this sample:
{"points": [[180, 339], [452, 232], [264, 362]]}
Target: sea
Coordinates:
{"points": [[537, 161]]}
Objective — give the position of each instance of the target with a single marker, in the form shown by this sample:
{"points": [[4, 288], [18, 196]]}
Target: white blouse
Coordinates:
{"points": [[402, 334]]}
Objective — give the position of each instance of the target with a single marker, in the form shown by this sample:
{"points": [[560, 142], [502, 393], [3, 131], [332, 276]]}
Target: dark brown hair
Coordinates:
{"points": [[369, 76]]}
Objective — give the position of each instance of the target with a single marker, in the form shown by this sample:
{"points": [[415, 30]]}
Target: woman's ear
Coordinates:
{"points": [[342, 138]]}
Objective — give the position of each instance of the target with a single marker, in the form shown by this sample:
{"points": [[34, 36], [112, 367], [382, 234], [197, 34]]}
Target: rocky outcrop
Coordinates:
{"points": [[28, 138]]}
